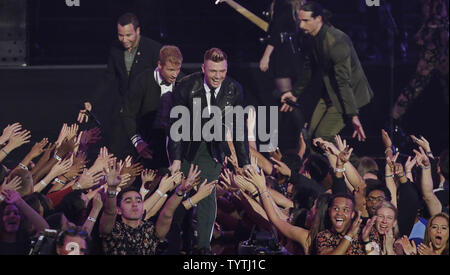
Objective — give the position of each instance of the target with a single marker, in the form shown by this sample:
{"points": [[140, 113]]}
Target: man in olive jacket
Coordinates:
{"points": [[345, 86]]}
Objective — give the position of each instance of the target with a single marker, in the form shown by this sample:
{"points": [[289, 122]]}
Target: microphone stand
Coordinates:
{"points": [[393, 32]]}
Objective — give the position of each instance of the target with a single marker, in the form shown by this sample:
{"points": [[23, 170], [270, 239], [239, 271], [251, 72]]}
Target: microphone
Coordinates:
{"points": [[89, 114]]}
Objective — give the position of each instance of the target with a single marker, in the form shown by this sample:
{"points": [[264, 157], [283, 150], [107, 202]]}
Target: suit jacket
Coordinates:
{"points": [[146, 57], [341, 70], [230, 94], [141, 104]]}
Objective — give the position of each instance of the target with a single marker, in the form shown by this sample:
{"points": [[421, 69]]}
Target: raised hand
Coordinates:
{"points": [[409, 248], [355, 227], [367, 228], [102, 160], [424, 249], [422, 142], [62, 134], [344, 155], [422, 158], [38, 148], [13, 184], [189, 183], [82, 115], [72, 131], [11, 196], [112, 173], [386, 139], [410, 163], [281, 167], [134, 170], [97, 202], [390, 164], [91, 136], [227, 180], [66, 147], [204, 190], [147, 175], [18, 139], [276, 154], [258, 180], [88, 180], [9, 131], [61, 167], [245, 185]]}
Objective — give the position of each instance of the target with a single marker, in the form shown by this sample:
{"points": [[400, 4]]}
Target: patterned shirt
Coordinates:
{"points": [[328, 239], [125, 240]]}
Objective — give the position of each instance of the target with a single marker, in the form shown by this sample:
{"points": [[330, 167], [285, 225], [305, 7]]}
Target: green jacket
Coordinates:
{"points": [[342, 73]]}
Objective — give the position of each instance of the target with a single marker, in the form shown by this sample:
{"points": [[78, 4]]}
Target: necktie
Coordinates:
{"points": [[212, 101]]}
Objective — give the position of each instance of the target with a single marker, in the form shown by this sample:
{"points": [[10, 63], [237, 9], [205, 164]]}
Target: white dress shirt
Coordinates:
{"points": [[159, 79], [208, 94]]}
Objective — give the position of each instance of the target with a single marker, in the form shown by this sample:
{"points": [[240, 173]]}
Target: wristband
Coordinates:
{"points": [[23, 166], [348, 238], [57, 157], [165, 196], [4, 151], [191, 203], [408, 172], [160, 193], [42, 182], [112, 194], [136, 139], [425, 167], [181, 195], [340, 170], [2, 198], [145, 191], [60, 181], [91, 219], [388, 149], [389, 176]]}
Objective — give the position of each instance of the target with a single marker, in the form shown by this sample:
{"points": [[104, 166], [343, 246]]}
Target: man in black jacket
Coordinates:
{"points": [[129, 56], [146, 109], [345, 86], [213, 89]]}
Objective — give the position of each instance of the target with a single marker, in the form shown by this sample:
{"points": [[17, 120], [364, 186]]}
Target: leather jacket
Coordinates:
{"points": [[230, 94]]}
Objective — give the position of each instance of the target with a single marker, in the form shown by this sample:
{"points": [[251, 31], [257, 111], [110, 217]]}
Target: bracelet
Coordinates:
{"points": [[112, 194], [408, 172], [327, 154], [348, 238], [340, 170], [57, 157], [191, 203], [425, 167], [429, 153], [388, 149], [66, 178], [4, 151], [2, 198], [238, 192], [42, 182], [181, 195], [160, 193], [60, 181], [165, 196], [91, 219], [23, 166], [145, 191], [389, 176]]}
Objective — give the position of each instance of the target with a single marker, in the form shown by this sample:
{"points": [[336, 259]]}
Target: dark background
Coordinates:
{"points": [[62, 43]]}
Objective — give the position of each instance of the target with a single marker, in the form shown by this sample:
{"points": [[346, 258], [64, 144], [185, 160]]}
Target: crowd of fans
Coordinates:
{"points": [[317, 199]]}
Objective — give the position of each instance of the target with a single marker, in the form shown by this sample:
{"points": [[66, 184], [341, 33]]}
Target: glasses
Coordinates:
{"points": [[376, 199]]}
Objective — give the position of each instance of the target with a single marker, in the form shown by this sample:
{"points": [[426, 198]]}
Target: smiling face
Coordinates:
{"points": [[131, 207], [341, 214], [11, 219], [169, 71], [438, 232], [128, 36], [215, 73], [385, 220]]}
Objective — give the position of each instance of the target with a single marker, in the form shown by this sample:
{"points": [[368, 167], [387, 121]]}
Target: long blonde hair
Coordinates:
{"points": [[296, 5]]}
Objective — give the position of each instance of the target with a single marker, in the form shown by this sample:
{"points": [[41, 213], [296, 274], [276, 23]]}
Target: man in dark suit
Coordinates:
{"points": [[214, 90], [146, 109], [129, 56], [345, 86]]}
